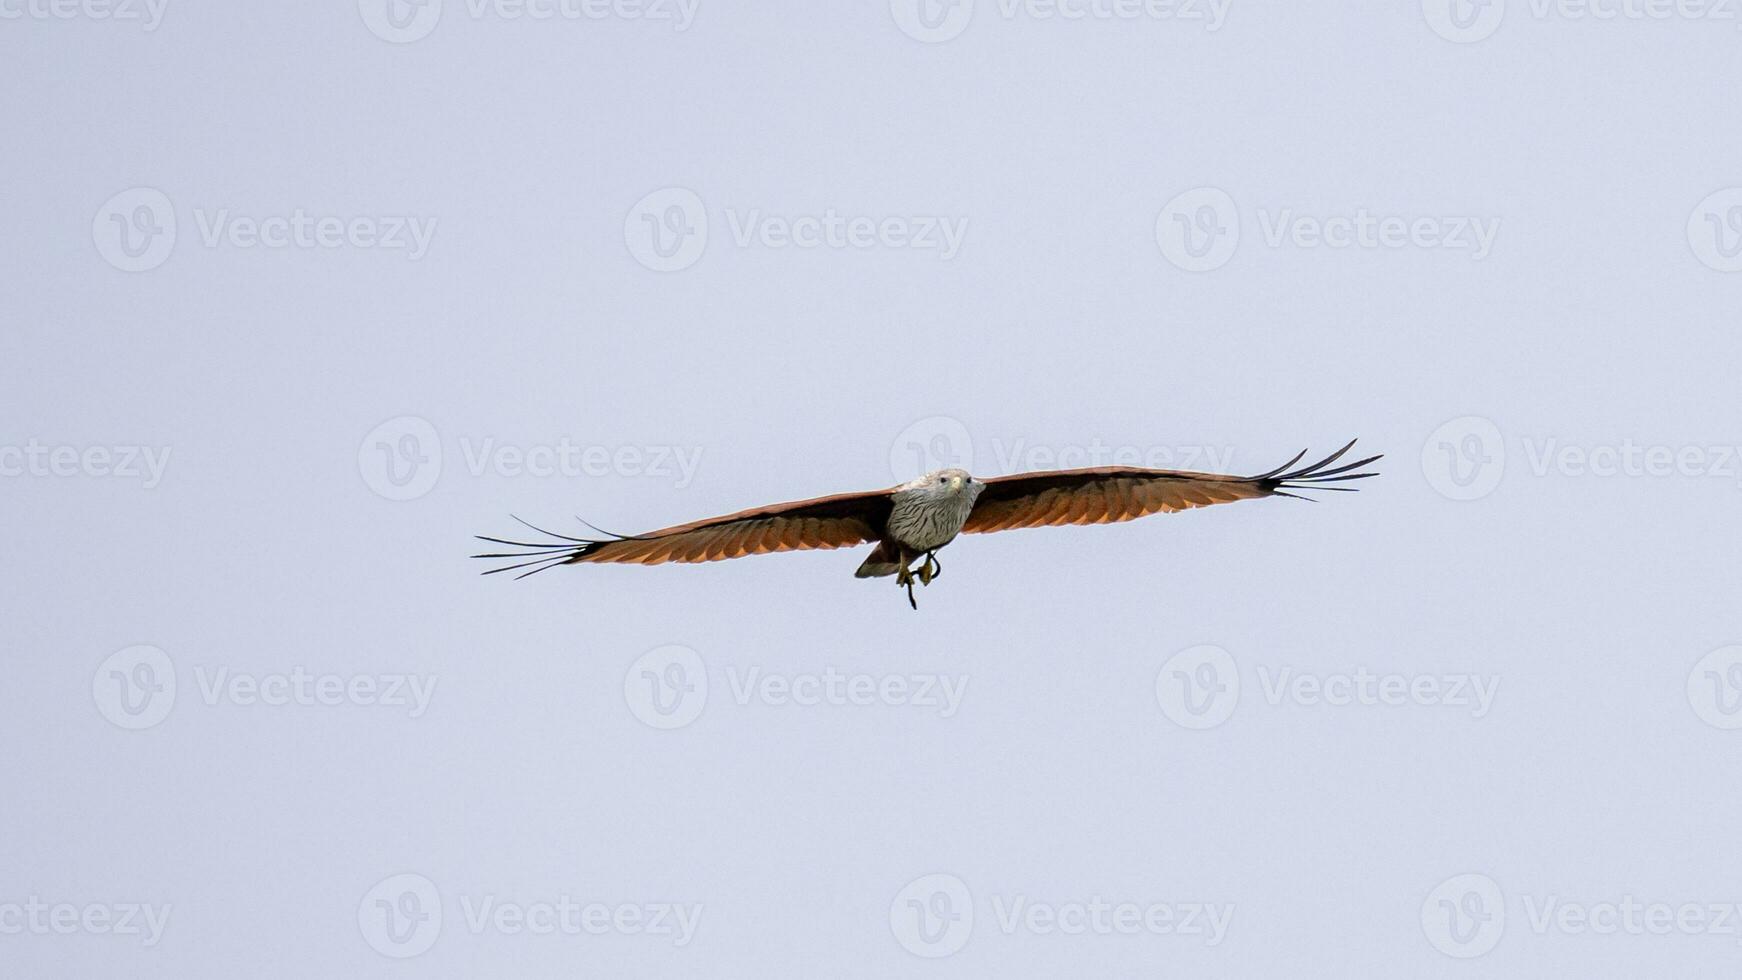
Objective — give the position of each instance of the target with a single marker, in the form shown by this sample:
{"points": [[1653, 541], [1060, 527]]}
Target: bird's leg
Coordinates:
{"points": [[930, 569], [904, 577]]}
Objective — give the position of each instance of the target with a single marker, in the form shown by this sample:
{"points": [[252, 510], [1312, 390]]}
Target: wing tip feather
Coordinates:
{"points": [[1315, 476], [561, 549]]}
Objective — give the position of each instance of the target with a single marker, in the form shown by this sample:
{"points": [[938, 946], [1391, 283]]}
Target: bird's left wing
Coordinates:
{"points": [[1106, 494], [839, 521]]}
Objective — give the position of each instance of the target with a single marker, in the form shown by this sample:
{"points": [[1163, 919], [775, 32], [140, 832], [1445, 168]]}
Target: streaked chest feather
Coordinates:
{"points": [[924, 522]]}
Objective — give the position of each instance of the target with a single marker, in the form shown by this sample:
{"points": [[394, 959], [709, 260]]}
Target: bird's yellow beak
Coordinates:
{"points": [[956, 484]]}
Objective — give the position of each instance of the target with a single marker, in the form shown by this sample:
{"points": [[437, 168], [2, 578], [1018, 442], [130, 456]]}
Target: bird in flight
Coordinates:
{"points": [[911, 522]]}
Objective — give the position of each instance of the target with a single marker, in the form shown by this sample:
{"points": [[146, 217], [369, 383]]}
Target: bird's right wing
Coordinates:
{"points": [[840, 521], [1106, 494]]}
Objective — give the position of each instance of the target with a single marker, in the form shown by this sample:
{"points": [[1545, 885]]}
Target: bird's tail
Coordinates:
{"points": [[878, 563]]}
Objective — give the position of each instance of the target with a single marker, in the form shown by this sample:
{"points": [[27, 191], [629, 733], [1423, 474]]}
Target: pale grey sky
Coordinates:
{"points": [[301, 297]]}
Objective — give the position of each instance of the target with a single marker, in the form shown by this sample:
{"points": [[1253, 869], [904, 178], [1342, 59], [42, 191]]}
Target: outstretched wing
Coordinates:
{"points": [[1106, 494], [840, 521]]}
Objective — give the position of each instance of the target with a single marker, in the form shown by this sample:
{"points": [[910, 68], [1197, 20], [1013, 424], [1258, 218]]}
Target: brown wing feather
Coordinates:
{"points": [[1108, 494], [837, 521]]}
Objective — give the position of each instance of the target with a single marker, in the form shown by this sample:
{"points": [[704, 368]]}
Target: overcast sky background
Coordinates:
{"points": [[1143, 209]]}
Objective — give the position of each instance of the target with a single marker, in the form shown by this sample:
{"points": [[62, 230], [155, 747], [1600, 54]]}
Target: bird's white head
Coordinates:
{"points": [[951, 482]]}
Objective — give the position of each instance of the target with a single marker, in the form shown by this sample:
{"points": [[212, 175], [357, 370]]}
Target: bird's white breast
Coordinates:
{"points": [[924, 522]]}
